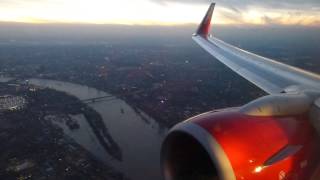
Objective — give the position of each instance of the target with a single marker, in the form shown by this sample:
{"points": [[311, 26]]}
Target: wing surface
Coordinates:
{"points": [[269, 75]]}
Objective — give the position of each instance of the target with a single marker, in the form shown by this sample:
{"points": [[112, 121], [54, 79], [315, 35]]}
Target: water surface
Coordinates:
{"points": [[138, 135]]}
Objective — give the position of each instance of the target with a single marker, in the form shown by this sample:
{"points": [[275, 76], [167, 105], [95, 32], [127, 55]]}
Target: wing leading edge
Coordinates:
{"points": [[269, 75]]}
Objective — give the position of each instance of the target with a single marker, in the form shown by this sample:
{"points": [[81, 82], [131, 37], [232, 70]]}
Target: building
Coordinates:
{"points": [[12, 103]]}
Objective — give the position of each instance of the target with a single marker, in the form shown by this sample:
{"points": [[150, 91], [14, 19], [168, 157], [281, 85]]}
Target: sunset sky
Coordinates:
{"points": [[161, 12]]}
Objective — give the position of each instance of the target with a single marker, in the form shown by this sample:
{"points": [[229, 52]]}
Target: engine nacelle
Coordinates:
{"points": [[230, 144]]}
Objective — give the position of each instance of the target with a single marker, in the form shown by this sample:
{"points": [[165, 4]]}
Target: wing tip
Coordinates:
{"points": [[204, 27]]}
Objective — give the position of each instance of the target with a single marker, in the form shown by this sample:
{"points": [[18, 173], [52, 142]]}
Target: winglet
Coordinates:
{"points": [[204, 27]]}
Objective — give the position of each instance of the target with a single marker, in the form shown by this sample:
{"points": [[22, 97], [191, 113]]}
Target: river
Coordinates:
{"points": [[138, 135]]}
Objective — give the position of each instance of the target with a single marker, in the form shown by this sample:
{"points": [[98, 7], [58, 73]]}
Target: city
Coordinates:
{"points": [[96, 109]]}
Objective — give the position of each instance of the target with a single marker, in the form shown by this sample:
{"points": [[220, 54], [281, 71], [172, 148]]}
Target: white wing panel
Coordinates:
{"points": [[271, 76]]}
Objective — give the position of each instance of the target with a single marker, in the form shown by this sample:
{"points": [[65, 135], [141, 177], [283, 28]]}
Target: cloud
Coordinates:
{"points": [[261, 11], [20, 2], [232, 16], [162, 11], [244, 5], [275, 4], [8, 3]]}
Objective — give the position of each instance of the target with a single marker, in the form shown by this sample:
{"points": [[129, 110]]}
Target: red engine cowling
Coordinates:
{"points": [[229, 145]]}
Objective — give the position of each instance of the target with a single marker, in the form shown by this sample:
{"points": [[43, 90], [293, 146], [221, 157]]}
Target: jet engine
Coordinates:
{"points": [[269, 138]]}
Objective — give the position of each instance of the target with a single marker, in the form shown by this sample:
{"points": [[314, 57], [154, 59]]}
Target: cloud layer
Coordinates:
{"points": [[261, 11], [274, 4], [162, 11]]}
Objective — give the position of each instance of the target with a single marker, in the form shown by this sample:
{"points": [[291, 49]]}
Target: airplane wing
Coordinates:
{"points": [[269, 75]]}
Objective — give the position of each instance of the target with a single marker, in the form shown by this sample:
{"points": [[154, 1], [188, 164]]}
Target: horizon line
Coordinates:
{"points": [[156, 24]]}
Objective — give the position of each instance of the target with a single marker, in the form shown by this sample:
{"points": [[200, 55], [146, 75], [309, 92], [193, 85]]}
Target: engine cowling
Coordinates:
{"points": [[230, 144]]}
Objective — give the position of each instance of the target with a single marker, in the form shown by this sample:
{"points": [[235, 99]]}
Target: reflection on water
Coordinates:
{"points": [[138, 136]]}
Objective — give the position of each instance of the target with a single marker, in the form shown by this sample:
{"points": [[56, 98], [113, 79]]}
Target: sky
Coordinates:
{"points": [[161, 12]]}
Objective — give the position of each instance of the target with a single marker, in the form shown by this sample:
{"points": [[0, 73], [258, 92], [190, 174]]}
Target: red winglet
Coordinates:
{"points": [[204, 27]]}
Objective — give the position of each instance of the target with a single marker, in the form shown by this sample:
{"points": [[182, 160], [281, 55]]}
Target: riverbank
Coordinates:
{"points": [[32, 146]]}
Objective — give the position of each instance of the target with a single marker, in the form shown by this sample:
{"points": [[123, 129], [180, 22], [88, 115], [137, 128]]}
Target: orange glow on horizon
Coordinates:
{"points": [[145, 12]]}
